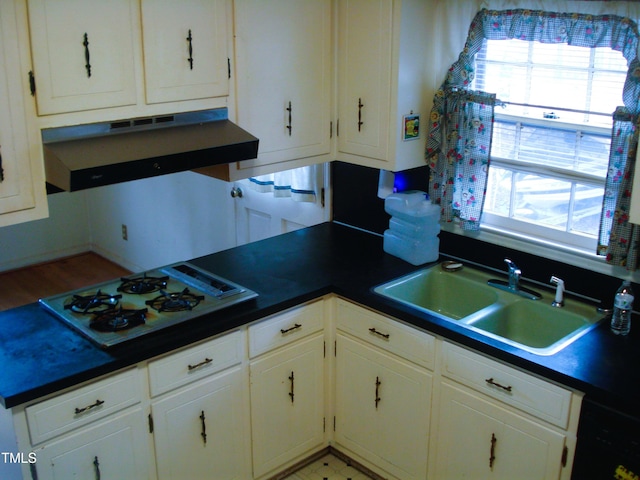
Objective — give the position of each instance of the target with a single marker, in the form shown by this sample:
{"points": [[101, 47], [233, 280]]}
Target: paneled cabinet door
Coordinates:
{"points": [[481, 440], [185, 49], [364, 73], [115, 448], [283, 55], [199, 432], [384, 60], [83, 54], [287, 404], [22, 187], [382, 408]]}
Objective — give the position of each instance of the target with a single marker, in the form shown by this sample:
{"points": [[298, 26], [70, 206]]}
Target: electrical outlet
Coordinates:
{"points": [[125, 235]]}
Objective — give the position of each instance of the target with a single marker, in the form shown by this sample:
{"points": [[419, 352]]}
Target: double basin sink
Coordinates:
{"points": [[464, 296]]}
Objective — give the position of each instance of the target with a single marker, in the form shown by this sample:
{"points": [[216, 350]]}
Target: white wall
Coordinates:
{"points": [[64, 233], [169, 218]]}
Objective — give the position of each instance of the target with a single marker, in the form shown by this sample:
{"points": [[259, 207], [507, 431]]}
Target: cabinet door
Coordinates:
{"points": [[481, 440], [22, 188], [115, 448], [83, 54], [199, 432], [364, 76], [185, 49], [283, 55], [287, 404], [382, 408]]}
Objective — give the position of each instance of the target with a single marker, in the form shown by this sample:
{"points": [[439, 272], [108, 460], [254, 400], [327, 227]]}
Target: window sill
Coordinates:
{"points": [[552, 251]]}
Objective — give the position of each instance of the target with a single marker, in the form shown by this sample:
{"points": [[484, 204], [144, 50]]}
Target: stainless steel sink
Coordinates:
{"points": [[464, 297]]}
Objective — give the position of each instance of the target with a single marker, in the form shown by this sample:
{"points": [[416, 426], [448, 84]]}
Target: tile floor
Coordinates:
{"points": [[328, 467]]}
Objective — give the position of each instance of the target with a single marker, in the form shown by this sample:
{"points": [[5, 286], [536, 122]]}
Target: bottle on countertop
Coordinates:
{"points": [[622, 306]]}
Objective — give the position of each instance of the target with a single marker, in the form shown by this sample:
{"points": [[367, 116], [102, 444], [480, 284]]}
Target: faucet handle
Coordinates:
{"points": [[513, 268], [559, 298]]}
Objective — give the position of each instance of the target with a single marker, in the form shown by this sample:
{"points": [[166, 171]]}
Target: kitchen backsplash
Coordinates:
{"points": [[356, 203]]}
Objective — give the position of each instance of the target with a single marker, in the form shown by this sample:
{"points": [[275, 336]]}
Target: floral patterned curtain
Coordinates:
{"points": [[459, 175], [618, 238], [611, 31]]}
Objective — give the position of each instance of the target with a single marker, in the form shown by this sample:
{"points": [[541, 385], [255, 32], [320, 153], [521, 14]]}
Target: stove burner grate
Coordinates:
{"points": [[118, 319], [142, 285], [175, 302], [88, 304]]}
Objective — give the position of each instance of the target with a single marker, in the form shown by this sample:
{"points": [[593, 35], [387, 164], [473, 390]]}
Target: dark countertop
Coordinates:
{"points": [[39, 355]]}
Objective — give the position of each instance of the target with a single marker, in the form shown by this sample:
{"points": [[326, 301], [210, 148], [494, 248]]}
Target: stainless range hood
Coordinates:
{"points": [[86, 156]]}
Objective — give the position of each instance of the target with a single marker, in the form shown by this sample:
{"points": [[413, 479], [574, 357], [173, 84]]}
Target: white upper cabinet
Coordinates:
{"points": [[22, 187], [185, 49], [283, 67], [83, 54], [128, 53], [383, 82]]}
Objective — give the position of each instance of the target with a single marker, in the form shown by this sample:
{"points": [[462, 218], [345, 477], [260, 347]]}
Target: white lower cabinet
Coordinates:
{"points": [[287, 388], [382, 400], [411, 406], [497, 422], [479, 439], [198, 431], [198, 411], [382, 408], [287, 404], [98, 430], [114, 448]]}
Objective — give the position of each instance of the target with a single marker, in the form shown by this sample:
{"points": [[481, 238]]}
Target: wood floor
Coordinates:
{"points": [[26, 285]]}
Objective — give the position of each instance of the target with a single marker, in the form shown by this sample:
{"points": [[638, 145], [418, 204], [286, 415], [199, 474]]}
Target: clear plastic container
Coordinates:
{"points": [[412, 206], [414, 229], [412, 250]]}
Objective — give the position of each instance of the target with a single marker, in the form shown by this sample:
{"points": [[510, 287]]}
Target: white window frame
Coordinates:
{"points": [[529, 232]]}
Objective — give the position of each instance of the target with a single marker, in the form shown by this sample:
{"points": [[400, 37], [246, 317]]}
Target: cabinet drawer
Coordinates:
{"points": [[285, 328], [194, 363], [509, 385], [83, 405], [410, 343]]}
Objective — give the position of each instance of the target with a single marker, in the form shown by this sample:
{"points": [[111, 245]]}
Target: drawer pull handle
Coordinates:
{"points": [[376, 332], [190, 49], [89, 407], [360, 122], [289, 126], [291, 391], [492, 456], [490, 381], [287, 330], [206, 361], [96, 467], [203, 433], [378, 383], [87, 55]]}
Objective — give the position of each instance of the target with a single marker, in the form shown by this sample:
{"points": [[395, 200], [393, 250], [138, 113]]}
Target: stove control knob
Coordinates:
{"points": [[236, 192]]}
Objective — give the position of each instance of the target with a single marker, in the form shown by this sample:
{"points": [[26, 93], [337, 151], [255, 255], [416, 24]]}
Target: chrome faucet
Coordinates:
{"points": [[513, 285], [514, 275]]}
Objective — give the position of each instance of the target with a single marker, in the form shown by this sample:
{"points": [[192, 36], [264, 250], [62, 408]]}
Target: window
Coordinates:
{"points": [[551, 136]]}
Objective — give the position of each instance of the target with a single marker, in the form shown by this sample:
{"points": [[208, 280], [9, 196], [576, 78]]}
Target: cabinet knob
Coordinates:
{"points": [[236, 192]]}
